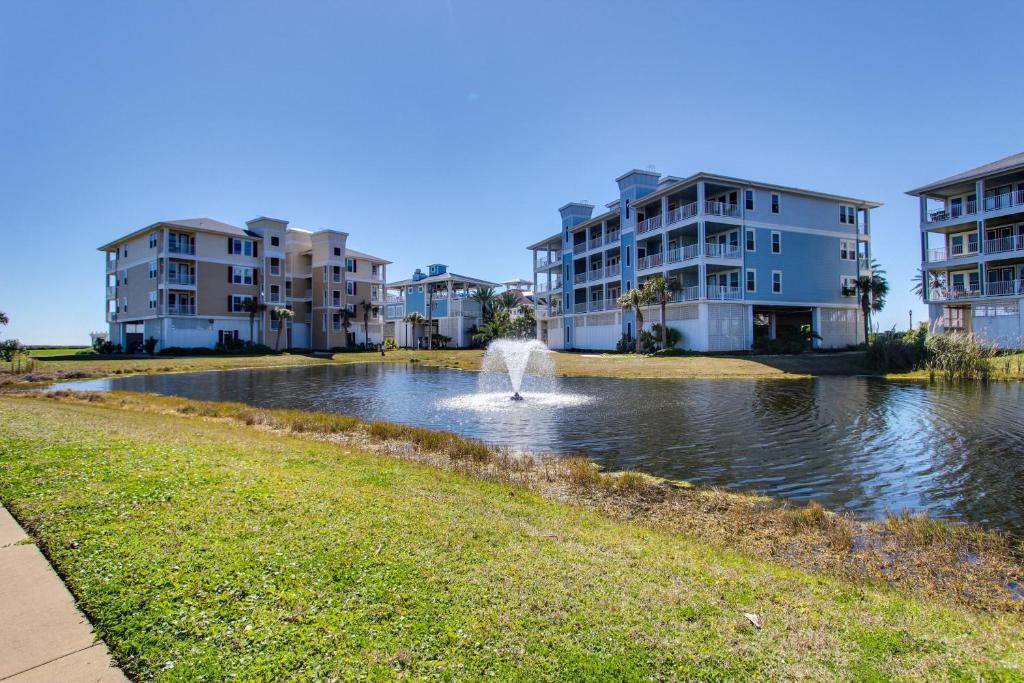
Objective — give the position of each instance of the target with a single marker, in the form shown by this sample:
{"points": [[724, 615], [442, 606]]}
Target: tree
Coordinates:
{"points": [[414, 319], [430, 317], [925, 283], [662, 291], [500, 325], [346, 322], [282, 315], [525, 324], [484, 295], [4, 319], [507, 300], [253, 308], [635, 299], [873, 290], [367, 308]]}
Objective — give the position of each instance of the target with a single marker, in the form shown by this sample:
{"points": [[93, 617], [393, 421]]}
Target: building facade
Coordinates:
{"points": [[749, 260], [442, 299], [188, 283], [972, 251]]}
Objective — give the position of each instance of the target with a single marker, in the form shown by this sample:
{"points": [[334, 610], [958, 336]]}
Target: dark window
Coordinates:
{"points": [[776, 242], [337, 251], [750, 239], [842, 214], [627, 209], [628, 253], [751, 281], [275, 241], [749, 199], [775, 203]]}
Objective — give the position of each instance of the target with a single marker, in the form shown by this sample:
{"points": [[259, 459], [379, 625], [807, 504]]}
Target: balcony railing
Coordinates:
{"points": [[545, 261], [186, 279], [652, 223], [721, 209], [611, 237], [681, 213], [543, 287], [179, 248], [1004, 288], [690, 251], [1003, 244], [180, 309], [596, 274], [596, 242], [613, 270], [652, 261], [955, 251], [724, 293], [111, 265], [1005, 200], [686, 294], [579, 277], [953, 212], [579, 248], [111, 292], [717, 250], [954, 292], [863, 263]]}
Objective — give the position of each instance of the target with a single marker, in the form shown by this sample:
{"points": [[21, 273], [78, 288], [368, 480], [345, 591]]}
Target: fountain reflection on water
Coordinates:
{"points": [[516, 369]]}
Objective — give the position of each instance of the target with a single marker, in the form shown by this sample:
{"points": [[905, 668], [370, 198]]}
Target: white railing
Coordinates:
{"points": [[545, 261], [690, 251], [863, 263], [721, 209], [111, 292], [613, 270], [596, 242], [681, 213], [954, 292], [179, 248], [464, 307], [579, 248], [186, 279], [967, 209], [1003, 288], [652, 223], [939, 254], [611, 237], [724, 293], [716, 250], [111, 265], [579, 277], [556, 310], [392, 299], [544, 287], [687, 294], [596, 274], [1011, 243], [1004, 201], [180, 309], [674, 255], [652, 261], [595, 306]]}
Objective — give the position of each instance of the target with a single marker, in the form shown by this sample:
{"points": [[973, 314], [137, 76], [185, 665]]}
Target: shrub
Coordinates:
{"points": [[674, 336], [897, 351], [959, 356], [625, 345], [390, 344], [150, 346], [104, 346], [648, 342]]}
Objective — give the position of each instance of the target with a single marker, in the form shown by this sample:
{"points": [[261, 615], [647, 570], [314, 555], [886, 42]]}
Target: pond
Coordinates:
{"points": [[859, 444]]}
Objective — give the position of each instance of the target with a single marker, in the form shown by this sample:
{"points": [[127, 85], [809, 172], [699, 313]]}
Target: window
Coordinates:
{"points": [[350, 288], [848, 285], [751, 239], [126, 252], [240, 276], [275, 293], [224, 336], [350, 265], [275, 323], [275, 266], [628, 254], [336, 297], [748, 199], [152, 270], [288, 288], [751, 280], [776, 282], [351, 308], [238, 302], [152, 299], [323, 323], [775, 203], [241, 247], [275, 241], [848, 250], [627, 209], [776, 242], [337, 251], [124, 305], [152, 239]]}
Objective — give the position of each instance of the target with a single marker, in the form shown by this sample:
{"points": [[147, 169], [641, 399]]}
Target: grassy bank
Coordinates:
{"points": [[314, 546]]}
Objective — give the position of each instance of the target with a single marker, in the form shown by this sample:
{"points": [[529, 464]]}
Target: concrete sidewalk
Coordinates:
{"points": [[43, 636]]}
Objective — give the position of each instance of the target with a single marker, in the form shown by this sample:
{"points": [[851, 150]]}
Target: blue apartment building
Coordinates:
{"points": [[972, 251], [750, 260], [442, 298]]}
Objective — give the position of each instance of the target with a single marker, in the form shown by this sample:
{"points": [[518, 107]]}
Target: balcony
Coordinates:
{"points": [[863, 264], [612, 237], [724, 293], [596, 242], [579, 248], [1004, 244], [1004, 288], [682, 213], [111, 266], [614, 270], [954, 252], [542, 287], [111, 291], [954, 293], [596, 274], [180, 309], [652, 261], [579, 277], [652, 223], [722, 209], [686, 294], [186, 279], [726, 251], [188, 249], [547, 261], [953, 213], [1004, 201]]}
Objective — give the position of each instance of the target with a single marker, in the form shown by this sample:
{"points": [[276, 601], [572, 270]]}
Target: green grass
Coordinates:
{"points": [[201, 550]]}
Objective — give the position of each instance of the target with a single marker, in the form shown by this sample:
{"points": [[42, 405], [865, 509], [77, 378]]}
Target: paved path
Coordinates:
{"points": [[43, 636]]}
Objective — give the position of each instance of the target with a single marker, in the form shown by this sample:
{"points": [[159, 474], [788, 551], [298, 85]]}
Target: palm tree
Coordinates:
{"points": [[662, 291], [414, 319], [507, 300], [873, 290], [636, 299], [484, 295], [253, 308], [925, 283], [4, 319], [346, 322], [282, 315], [368, 308]]}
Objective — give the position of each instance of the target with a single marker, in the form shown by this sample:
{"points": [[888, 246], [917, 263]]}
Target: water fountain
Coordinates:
{"points": [[514, 357]]}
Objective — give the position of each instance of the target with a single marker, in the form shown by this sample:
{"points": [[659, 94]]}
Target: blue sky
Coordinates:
{"points": [[451, 131]]}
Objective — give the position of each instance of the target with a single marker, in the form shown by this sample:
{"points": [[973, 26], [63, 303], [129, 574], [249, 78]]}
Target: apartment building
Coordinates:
{"points": [[750, 260], [972, 251], [188, 283], [442, 298]]}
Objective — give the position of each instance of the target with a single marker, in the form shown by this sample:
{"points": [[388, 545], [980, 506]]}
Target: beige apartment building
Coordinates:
{"points": [[188, 283]]}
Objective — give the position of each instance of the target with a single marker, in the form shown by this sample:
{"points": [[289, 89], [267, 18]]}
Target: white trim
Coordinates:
{"points": [[773, 203], [851, 253], [774, 273], [753, 199], [746, 280], [753, 233], [771, 244]]}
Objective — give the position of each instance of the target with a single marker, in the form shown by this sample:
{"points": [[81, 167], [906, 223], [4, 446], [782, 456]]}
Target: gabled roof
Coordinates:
{"points": [[557, 237], [443, 277], [1009, 163], [704, 175], [368, 257], [203, 224]]}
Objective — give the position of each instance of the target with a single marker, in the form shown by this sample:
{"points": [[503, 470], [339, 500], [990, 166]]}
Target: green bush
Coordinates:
{"points": [[674, 336], [390, 344], [958, 356], [894, 351]]}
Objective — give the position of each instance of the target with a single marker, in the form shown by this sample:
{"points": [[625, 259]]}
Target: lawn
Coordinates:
{"points": [[201, 550]]}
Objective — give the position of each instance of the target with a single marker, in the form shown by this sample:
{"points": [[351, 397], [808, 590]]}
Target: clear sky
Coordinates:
{"points": [[451, 131]]}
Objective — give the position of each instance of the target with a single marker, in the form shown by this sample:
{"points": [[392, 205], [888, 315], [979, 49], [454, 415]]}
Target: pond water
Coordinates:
{"points": [[859, 444]]}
